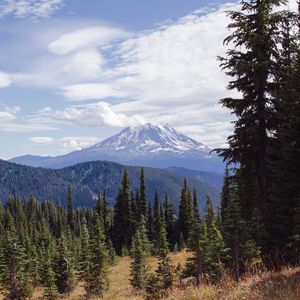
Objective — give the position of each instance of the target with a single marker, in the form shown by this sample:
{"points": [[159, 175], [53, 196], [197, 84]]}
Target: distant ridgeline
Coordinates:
{"points": [[88, 179]]}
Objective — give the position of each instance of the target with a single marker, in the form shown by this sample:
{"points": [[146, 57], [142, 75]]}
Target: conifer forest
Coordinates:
{"points": [[56, 248]]}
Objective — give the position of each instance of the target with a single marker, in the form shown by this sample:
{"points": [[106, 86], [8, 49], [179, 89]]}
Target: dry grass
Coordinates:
{"points": [[283, 285]]}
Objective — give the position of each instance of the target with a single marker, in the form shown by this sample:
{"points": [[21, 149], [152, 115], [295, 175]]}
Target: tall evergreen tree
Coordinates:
{"points": [[285, 140], [195, 265], [225, 192], [140, 254], [49, 283], [85, 260], [185, 217], [143, 202], [70, 214], [14, 281], [64, 267], [242, 248], [150, 222], [251, 65], [99, 281], [123, 217], [170, 221]]}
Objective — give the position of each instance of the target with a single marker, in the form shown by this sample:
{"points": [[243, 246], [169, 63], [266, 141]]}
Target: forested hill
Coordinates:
{"points": [[88, 179]]}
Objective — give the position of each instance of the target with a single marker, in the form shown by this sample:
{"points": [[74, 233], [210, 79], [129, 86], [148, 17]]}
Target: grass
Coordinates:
{"points": [[283, 285]]}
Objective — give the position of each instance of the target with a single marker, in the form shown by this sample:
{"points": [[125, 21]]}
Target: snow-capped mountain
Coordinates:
{"points": [[152, 145], [151, 138]]}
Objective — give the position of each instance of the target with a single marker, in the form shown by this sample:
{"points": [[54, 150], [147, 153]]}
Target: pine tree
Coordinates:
{"points": [[225, 192], [111, 252], [214, 244], [123, 217], [106, 218], [99, 281], [49, 284], [70, 215], [196, 211], [99, 208], [170, 221], [150, 223], [251, 65], [143, 202], [185, 218], [195, 265], [242, 248], [64, 268], [14, 278], [140, 254], [285, 140], [160, 242], [181, 242], [85, 260]]}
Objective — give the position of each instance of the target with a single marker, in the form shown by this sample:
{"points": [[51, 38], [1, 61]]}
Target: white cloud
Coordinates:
{"points": [[42, 140], [98, 114], [67, 143], [72, 143], [9, 114], [173, 64], [29, 8], [85, 38], [72, 58], [10, 121], [5, 80], [91, 91]]}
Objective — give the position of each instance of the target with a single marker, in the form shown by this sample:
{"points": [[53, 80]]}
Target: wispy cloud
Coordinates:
{"points": [[29, 8], [5, 80], [98, 114], [85, 38], [67, 143], [43, 140], [10, 121]]}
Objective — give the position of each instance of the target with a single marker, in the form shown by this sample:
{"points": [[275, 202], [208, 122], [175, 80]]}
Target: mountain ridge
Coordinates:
{"points": [[88, 179]]}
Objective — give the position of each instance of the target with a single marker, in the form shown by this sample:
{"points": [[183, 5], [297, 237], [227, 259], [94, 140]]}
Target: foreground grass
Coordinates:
{"points": [[283, 285]]}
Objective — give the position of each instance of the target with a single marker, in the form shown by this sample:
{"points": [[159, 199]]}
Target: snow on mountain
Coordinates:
{"points": [[153, 138], [152, 145]]}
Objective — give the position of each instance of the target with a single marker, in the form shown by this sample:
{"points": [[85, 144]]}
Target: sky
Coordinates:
{"points": [[73, 72]]}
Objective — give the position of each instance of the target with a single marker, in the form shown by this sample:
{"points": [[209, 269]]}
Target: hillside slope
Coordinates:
{"points": [[282, 285], [88, 179]]}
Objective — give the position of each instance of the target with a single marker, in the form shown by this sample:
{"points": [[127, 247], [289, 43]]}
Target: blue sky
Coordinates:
{"points": [[73, 72]]}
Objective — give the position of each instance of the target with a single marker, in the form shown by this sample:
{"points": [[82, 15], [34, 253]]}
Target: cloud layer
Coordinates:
{"points": [[67, 143], [29, 8]]}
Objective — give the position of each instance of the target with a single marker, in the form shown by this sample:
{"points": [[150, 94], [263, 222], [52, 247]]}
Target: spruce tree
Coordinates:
{"points": [[123, 217], [170, 221], [143, 202], [150, 222], [70, 214], [225, 192], [140, 254], [242, 248], [14, 280], [214, 244], [185, 217], [64, 267], [99, 261], [195, 265], [85, 260], [250, 63], [285, 140], [49, 283]]}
